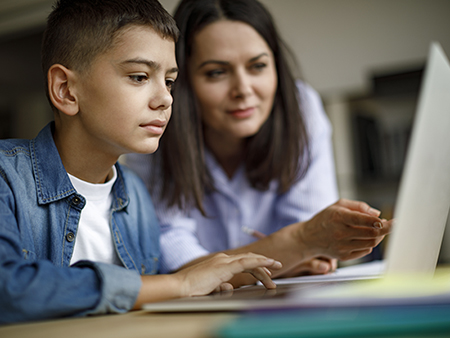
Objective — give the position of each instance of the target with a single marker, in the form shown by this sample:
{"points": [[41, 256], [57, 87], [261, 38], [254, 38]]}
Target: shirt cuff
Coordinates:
{"points": [[119, 287]]}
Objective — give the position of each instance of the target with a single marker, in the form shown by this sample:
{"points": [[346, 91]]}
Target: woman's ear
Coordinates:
{"points": [[61, 89]]}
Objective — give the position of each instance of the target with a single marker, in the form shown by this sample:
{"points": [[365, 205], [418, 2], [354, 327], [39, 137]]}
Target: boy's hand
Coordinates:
{"points": [[214, 273]]}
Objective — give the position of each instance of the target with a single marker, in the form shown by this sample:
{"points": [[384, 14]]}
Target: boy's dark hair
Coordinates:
{"points": [[79, 30], [278, 151]]}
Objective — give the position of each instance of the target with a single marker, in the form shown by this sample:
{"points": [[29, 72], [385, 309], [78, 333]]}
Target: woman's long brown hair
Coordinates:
{"points": [[278, 151]]}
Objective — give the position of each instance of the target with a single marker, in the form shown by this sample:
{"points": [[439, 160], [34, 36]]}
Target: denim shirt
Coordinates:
{"points": [[39, 214]]}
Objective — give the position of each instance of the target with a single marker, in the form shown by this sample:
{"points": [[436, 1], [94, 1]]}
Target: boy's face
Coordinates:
{"points": [[124, 97]]}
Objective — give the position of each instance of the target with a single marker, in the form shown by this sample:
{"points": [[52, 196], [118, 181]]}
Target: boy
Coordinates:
{"points": [[78, 232]]}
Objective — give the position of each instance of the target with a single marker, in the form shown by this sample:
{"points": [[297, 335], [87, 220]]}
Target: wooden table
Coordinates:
{"points": [[134, 324], [139, 324]]}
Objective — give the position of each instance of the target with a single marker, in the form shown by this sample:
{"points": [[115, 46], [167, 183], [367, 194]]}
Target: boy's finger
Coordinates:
{"points": [[275, 265], [251, 261], [226, 287], [261, 275]]}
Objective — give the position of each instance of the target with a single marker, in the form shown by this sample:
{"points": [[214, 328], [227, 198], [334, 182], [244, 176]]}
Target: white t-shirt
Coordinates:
{"points": [[94, 240]]}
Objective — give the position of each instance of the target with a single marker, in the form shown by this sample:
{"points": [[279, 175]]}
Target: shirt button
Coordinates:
{"points": [[76, 200], [70, 237]]}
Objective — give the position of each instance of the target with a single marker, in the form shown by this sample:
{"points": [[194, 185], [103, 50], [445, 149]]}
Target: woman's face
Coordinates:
{"points": [[234, 77]]}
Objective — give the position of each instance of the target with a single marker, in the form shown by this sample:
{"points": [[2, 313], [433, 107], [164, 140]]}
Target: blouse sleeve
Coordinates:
{"points": [[178, 242]]}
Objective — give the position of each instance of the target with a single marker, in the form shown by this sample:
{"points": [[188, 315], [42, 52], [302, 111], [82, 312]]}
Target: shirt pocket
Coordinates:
{"points": [[149, 266], [28, 255]]}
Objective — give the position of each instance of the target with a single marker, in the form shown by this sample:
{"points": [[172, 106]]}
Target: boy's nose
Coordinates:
{"points": [[161, 98]]}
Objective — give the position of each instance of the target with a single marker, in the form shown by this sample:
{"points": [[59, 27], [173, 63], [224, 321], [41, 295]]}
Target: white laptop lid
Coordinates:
{"points": [[423, 200]]}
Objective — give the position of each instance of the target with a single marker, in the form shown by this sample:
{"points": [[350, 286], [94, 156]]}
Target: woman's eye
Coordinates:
{"points": [[139, 78], [215, 73], [259, 66]]}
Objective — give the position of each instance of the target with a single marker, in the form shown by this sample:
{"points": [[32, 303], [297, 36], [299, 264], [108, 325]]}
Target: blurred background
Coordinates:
{"points": [[364, 57]]}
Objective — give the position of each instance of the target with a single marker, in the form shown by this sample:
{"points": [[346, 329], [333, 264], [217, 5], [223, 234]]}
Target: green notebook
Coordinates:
{"points": [[394, 321]]}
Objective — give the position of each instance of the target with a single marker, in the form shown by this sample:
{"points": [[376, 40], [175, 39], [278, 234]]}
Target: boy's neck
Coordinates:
{"points": [[81, 159]]}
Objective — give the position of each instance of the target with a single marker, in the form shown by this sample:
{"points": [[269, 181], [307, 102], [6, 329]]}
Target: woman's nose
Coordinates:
{"points": [[242, 85]]}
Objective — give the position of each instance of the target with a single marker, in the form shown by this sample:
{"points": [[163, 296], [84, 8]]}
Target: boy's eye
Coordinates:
{"points": [[139, 78], [170, 83]]}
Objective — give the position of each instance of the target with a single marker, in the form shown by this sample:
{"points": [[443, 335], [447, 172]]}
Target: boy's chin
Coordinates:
{"points": [[148, 149]]}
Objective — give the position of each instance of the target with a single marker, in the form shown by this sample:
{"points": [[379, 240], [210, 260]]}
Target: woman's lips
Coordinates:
{"points": [[242, 113], [155, 126]]}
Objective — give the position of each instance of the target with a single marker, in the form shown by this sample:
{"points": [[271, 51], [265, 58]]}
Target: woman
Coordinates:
{"points": [[253, 152]]}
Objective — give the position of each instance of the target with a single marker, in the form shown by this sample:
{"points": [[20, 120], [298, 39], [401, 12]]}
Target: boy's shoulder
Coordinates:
{"points": [[13, 153], [41, 148], [15, 159], [23, 159], [11, 146]]}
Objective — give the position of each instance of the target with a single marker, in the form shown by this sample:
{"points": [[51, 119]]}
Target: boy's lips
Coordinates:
{"points": [[155, 127]]}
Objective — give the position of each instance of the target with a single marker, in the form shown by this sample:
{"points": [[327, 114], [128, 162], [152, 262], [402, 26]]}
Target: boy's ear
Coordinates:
{"points": [[61, 89]]}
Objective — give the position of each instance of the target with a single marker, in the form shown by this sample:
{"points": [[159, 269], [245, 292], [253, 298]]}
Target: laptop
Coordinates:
{"points": [[421, 213], [423, 202]]}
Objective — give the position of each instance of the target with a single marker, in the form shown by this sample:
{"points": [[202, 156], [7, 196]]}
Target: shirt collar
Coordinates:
{"points": [[221, 180], [52, 181]]}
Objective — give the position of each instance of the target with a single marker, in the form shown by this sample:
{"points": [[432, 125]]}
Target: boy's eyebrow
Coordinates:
{"points": [[227, 63], [150, 64]]}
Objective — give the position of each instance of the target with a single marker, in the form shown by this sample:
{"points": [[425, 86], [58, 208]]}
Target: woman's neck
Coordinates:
{"points": [[229, 152]]}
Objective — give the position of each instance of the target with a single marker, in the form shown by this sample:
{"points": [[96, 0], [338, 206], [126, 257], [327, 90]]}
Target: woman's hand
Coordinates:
{"points": [[314, 266], [214, 273], [345, 230]]}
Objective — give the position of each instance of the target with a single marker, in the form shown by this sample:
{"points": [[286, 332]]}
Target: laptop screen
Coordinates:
{"points": [[423, 202]]}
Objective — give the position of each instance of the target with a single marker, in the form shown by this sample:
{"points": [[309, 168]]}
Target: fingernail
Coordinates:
{"points": [[378, 225], [267, 271], [374, 211], [323, 267]]}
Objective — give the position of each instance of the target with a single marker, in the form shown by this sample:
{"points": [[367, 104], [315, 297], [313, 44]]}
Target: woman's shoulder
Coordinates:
{"points": [[308, 95], [312, 109]]}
